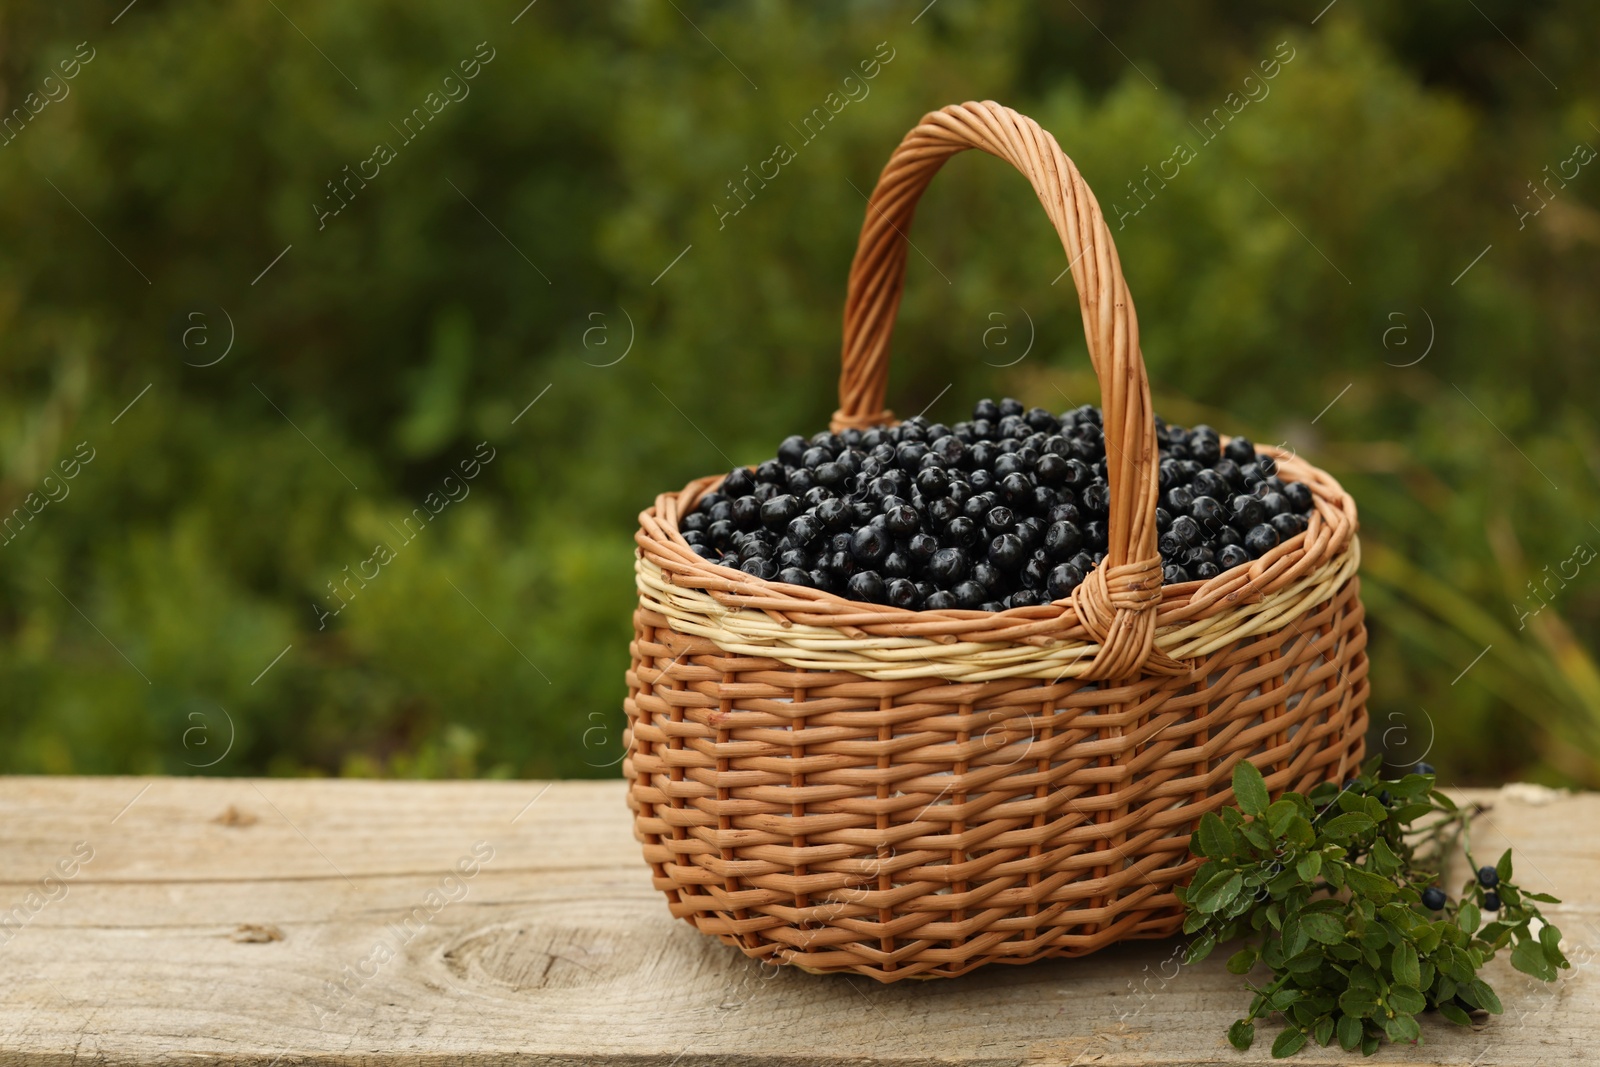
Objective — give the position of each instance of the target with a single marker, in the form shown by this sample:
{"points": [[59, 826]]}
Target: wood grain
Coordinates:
{"points": [[263, 922]]}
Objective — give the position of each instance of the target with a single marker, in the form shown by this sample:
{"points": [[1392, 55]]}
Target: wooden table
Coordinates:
{"points": [[270, 921]]}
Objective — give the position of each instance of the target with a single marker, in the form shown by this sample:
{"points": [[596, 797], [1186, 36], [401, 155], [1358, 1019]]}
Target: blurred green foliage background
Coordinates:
{"points": [[1378, 199]]}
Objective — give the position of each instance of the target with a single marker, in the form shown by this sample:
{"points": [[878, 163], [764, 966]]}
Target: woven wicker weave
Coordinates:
{"points": [[855, 787]]}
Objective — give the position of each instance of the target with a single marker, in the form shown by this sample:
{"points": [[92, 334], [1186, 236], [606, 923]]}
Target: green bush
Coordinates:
{"points": [[572, 200]]}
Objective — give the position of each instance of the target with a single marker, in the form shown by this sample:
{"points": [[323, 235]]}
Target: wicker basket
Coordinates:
{"points": [[854, 787]]}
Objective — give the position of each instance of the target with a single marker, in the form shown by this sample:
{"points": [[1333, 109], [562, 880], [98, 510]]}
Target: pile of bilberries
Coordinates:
{"points": [[1003, 511]]}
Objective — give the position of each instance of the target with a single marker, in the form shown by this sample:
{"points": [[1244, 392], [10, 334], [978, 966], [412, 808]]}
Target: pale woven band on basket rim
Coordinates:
{"points": [[811, 629]]}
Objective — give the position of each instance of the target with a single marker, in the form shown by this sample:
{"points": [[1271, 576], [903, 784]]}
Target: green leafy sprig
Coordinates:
{"points": [[1335, 891]]}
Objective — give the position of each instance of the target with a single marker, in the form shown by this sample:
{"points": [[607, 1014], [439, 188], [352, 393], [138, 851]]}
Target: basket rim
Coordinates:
{"points": [[1330, 533]]}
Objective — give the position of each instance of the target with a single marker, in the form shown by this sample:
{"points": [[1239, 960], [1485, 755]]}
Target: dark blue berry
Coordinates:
{"points": [[1035, 571], [1006, 552], [933, 482], [746, 512], [921, 547], [903, 521], [868, 546], [970, 595], [999, 519], [1433, 898], [1063, 580], [759, 566], [792, 451], [830, 475], [1062, 539], [1488, 877], [866, 585], [779, 512], [1240, 451], [897, 564], [903, 594], [1204, 445], [1491, 901], [961, 531], [1260, 540], [1299, 497], [1052, 469], [1231, 556], [1209, 513], [1248, 511], [948, 567], [1209, 483], [1016, 489]]}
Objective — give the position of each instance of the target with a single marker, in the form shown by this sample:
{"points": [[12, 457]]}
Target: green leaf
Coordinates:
{"points": [[1289, 1042], [1454, 1013], [1503, 868], [1350, 1031], [1369, 1044], [1344, 951], [1215, 841], [1282, 998], [1324, 1030], [1384, 861], [1294, 936], [1351, 801], [1279, 815], [1257, 834], [1369, 884], [1304, 963], [1468, 917], [1323, 927], [1405, 998], [1299, 833], [1477, 993], [1529, 958], [1218, 893], [1242, 1034], [1359, 1003], [1347, 826], [1364, 978], [1402, 1028], [1200, 948], [1543, 898], [1407, 813], [1404, 965], [1241, 962], [1249, 788], [1309, 866]]}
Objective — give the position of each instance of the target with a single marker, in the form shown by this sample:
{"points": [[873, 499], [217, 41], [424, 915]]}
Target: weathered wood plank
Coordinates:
{"points": [[258, 922]]}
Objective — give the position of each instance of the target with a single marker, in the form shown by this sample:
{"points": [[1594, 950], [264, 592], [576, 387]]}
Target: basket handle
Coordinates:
{"points": [[1117, 602]]}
